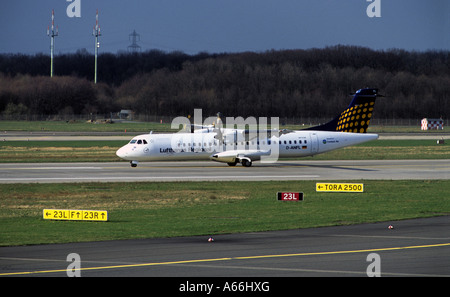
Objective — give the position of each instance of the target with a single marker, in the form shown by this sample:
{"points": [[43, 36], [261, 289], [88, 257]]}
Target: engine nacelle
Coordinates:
{"points": [[233, 157], [224, 157]]}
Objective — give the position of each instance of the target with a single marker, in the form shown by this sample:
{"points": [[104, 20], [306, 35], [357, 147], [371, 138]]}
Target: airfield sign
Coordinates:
{"points": [[75, 215], [339, 187], [290, 196]]}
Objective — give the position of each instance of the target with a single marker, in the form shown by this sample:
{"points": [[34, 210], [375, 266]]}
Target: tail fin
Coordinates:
{"points": [[356, 117]]}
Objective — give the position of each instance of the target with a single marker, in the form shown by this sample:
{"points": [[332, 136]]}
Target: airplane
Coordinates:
{"points": [[233, 146]]}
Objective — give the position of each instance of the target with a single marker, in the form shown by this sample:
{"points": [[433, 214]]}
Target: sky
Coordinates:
{"points": [[225, 26]]}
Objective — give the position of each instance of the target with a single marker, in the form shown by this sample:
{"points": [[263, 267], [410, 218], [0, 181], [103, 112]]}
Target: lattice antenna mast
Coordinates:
{"points": [[96, 33], [134, 37], [52, 33]]}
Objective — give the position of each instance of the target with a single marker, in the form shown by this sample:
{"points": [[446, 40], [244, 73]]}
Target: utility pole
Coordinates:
{"points": [[52, 35], [96, 34], [134, 37]]}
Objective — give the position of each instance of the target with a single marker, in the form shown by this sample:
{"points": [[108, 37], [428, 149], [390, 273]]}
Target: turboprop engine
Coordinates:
{"points": [[245, 157]]}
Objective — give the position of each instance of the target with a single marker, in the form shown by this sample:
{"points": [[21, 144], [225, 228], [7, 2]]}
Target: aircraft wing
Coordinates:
{"points": [[251, 134], [238, 135]]}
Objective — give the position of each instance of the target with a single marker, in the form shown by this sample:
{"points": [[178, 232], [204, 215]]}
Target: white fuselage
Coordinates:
{"points": [[203, 146]]}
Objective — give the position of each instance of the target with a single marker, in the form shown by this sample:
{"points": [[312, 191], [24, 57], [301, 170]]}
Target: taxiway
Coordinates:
{"points": [[418, 247]]}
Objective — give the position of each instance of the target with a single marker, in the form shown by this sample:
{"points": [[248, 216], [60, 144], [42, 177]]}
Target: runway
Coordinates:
{"points": [[211, 171], [419, 247]]}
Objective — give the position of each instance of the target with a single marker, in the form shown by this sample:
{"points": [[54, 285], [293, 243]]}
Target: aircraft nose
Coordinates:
{"points": [[121, 153]]}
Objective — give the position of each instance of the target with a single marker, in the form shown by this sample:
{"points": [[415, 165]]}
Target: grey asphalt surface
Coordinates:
{"points": [[212, 171], [417, 247]]}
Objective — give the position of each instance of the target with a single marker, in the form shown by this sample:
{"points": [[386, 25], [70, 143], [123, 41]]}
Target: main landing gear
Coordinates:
{"points": [[244, 162], [134, 163]]}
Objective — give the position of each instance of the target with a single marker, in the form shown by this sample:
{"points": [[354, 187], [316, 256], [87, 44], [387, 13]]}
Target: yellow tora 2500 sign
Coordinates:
{"points": [[75, 215], [339, 187]]}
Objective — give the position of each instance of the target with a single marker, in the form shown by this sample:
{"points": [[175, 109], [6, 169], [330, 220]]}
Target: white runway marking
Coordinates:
{"points": [[37, 179]]}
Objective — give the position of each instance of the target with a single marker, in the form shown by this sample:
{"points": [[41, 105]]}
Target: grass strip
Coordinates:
{"points": [[145, 127], [145, 210]]}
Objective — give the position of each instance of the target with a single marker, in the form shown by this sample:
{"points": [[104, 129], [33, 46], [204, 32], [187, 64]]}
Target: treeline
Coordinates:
{"points": [[113, 69], [288, 83]]}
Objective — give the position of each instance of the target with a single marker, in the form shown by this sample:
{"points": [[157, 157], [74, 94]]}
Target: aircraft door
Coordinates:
{"points": [[314, 143]]}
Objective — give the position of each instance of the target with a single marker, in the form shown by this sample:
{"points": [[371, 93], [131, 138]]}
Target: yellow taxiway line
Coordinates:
{"points": [[232, 258]]}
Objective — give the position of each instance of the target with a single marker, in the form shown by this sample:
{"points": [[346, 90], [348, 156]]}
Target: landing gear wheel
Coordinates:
{"points": [[232, 163], [133, 163], [246, 163]]}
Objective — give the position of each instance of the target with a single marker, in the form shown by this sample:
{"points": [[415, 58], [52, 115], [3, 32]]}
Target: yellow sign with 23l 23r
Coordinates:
{"points": [[75, 215]]}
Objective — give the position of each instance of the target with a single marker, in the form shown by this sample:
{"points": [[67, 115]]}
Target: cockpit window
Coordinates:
{"points": [[138, 141]]}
